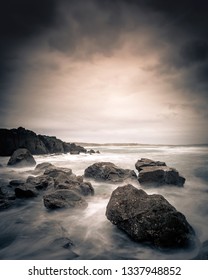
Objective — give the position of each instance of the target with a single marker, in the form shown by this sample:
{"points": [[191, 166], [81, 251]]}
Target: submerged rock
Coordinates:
{"points": [[107, 171], [5, 203], [160, 175], [21, 158], [64, 199], [149, 218]]}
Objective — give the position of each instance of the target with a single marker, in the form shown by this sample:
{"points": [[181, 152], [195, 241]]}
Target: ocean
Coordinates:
{"points": [[30, 231]]}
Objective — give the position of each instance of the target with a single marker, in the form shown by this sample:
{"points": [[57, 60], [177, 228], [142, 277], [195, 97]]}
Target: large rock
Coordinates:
{"points": [[107, 171], [21, 158], [13, 139], [41, 182], [72, 148], [26, 191], [160, 175], [149, 218], [43, 166], [157, 173], [61, 176], [64, 199], [144, 162]]}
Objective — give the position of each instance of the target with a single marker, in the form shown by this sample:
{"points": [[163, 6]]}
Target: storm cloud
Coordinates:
{"points": [[106, 71]]}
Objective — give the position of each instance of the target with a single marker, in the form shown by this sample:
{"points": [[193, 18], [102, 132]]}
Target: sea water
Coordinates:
{"points": [[30, 231]]}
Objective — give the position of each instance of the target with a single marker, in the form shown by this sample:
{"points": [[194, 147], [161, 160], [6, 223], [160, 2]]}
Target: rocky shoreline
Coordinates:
{"points": [[146, 219]]}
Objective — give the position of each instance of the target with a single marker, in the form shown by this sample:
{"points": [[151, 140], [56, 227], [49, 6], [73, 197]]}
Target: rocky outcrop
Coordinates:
{"points": [[149, 218], [21, 158], [107, 171], [42, 182], [13, 139], [72, 148], [64, 199], [157, 173], [160, 175], [144, 162], [26, 191], [59, 187], [52, 144]]}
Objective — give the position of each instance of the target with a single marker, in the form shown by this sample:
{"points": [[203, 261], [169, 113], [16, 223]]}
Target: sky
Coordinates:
{"points": [[106, 71]]}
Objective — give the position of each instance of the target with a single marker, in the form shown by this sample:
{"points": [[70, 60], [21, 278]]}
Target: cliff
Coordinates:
{"points": [[13, 139]]}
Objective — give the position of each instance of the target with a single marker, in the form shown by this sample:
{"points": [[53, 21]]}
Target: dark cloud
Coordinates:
{"points": [[21, 21], [176, 31]]}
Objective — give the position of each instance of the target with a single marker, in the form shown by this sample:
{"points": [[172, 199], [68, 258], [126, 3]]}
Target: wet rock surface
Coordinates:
{"points": [[59, 187], [64, 199], [107, 171], [160, 176], [144, 162], [149, 218], [158, 173], [21, 158]]}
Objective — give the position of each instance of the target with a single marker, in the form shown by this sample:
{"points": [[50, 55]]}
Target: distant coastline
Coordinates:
{"points": [[87, 144]]}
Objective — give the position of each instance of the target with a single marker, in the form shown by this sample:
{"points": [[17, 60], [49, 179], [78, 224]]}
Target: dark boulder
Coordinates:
{"points": [[144, 162], [60, 176], [149, 218], [91, 151], [72, 148], [86, 189], [160, 175], [157, 173], [21, 158], [26, 191], [16, 182], [75, 152], [107, 171], [43, 166], [41, 182], [64, 199], [56, 171]]}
